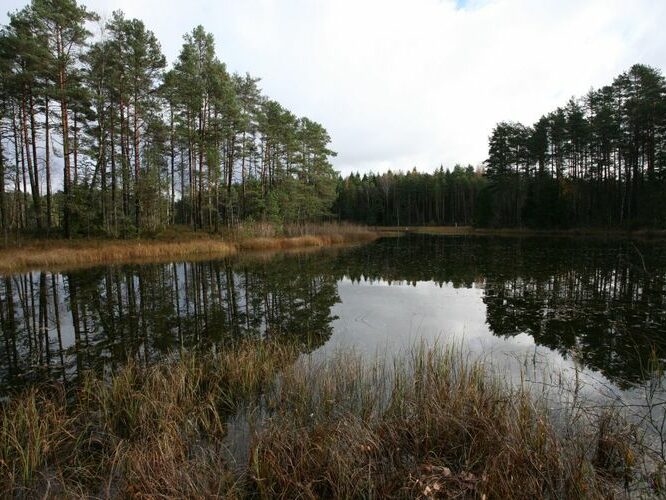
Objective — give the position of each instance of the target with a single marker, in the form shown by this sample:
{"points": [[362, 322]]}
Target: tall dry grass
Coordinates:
{"points": [[270, 237], [59, 254], [154, 431], [62, 254], [432, 425], [591, 232]]}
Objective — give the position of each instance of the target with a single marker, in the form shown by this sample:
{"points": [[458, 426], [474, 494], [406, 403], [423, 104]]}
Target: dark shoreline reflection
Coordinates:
{"points": [[603, 300], [60, 325]]}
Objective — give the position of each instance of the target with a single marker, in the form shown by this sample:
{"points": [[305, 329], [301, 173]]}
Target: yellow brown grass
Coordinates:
{"points": [[68, 255], [305, 241], [603, 233], [145, 432], [59, 254], [432, 425], [436, 426]]}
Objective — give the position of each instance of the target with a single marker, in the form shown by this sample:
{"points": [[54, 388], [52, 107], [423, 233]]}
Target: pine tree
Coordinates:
{"points": [[62, 25]]}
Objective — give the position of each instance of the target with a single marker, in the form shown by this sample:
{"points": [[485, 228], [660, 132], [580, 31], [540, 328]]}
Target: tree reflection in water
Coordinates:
{"points": [[591, 297], [60, 325]]}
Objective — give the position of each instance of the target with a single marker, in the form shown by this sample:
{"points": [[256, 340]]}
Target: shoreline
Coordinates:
{"points": [[524, 232], [48, 255], [59, 254]]}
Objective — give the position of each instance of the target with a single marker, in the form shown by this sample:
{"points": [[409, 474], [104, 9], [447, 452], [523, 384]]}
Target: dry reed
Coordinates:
{"points": [[433, 425], [59, 254], [601, 233], [153, 431]]}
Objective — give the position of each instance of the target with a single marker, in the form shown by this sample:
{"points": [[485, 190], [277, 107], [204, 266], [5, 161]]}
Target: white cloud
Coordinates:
{"points": [[416, 83]]}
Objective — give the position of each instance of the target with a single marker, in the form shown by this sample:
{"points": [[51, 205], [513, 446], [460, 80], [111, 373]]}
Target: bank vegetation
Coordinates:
{"points": [[432, 424], [178, 244]]}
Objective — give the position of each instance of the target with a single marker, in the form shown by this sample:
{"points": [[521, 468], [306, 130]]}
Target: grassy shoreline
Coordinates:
{"points": [[433, 424], [474, 231], [36, 254], [183, 244]]}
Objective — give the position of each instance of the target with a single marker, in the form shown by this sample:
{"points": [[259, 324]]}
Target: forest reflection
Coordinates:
{"points": [[604, 302], [60, 325]]}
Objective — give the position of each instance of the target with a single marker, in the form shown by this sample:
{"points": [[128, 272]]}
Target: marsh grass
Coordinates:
{"points": [[60, 254], [146, 431], [431, 424], [600, 233], [435, 425], [65, 254], [270, 237]]}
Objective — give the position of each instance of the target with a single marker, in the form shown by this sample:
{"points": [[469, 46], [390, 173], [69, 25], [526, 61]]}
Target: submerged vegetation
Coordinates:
{"points": [[49, 254], [432, 424]]}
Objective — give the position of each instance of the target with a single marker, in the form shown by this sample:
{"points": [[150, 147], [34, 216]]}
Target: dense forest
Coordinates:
{"points": [[445, 197], [600, 161], [98, 136]]}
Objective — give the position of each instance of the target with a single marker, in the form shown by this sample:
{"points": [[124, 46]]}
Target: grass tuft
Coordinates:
{"points": [[432, 424], [112, 434]]}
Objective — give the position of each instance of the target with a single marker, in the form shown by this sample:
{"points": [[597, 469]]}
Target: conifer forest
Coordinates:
{"points": [[99, 136], [598, 161]]}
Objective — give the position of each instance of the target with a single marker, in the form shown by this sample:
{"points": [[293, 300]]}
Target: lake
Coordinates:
{"points": [[592, 306]]}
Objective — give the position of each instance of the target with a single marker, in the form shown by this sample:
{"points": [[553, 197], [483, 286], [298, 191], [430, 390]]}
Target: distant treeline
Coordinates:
{"points": [[412, 198], [98, 136], [599, 161]]}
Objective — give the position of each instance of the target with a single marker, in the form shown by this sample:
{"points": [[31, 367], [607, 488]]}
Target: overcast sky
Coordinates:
{"points": [[411, 83]]}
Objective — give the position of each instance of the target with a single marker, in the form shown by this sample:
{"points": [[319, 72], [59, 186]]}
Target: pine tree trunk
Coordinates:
{"points": [[114, 215], [36, 193], [3, 211], [124, 163], [201, 156], [172, 152], [65, 142], [29, 160], [102, 167], [75, 148], [47, 157], [18, 161], [137, 166]]}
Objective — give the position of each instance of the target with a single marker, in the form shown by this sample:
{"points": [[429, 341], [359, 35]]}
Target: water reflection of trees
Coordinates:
{"points": [[604, 301], [591, 297], [63, 324]]}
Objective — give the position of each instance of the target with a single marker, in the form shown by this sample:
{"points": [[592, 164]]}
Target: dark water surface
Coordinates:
{"points": [[600, 305]]}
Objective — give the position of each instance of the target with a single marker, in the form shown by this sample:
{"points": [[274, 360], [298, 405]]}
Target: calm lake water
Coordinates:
{"points": [[593, 305]]}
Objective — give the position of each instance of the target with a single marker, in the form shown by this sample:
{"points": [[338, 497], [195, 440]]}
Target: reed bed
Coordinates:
{"points": [[259, 236], [436, 425], [64, 255], [60, 254], [153, 431], [305, 241], [432, 425], [601, 233]]}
